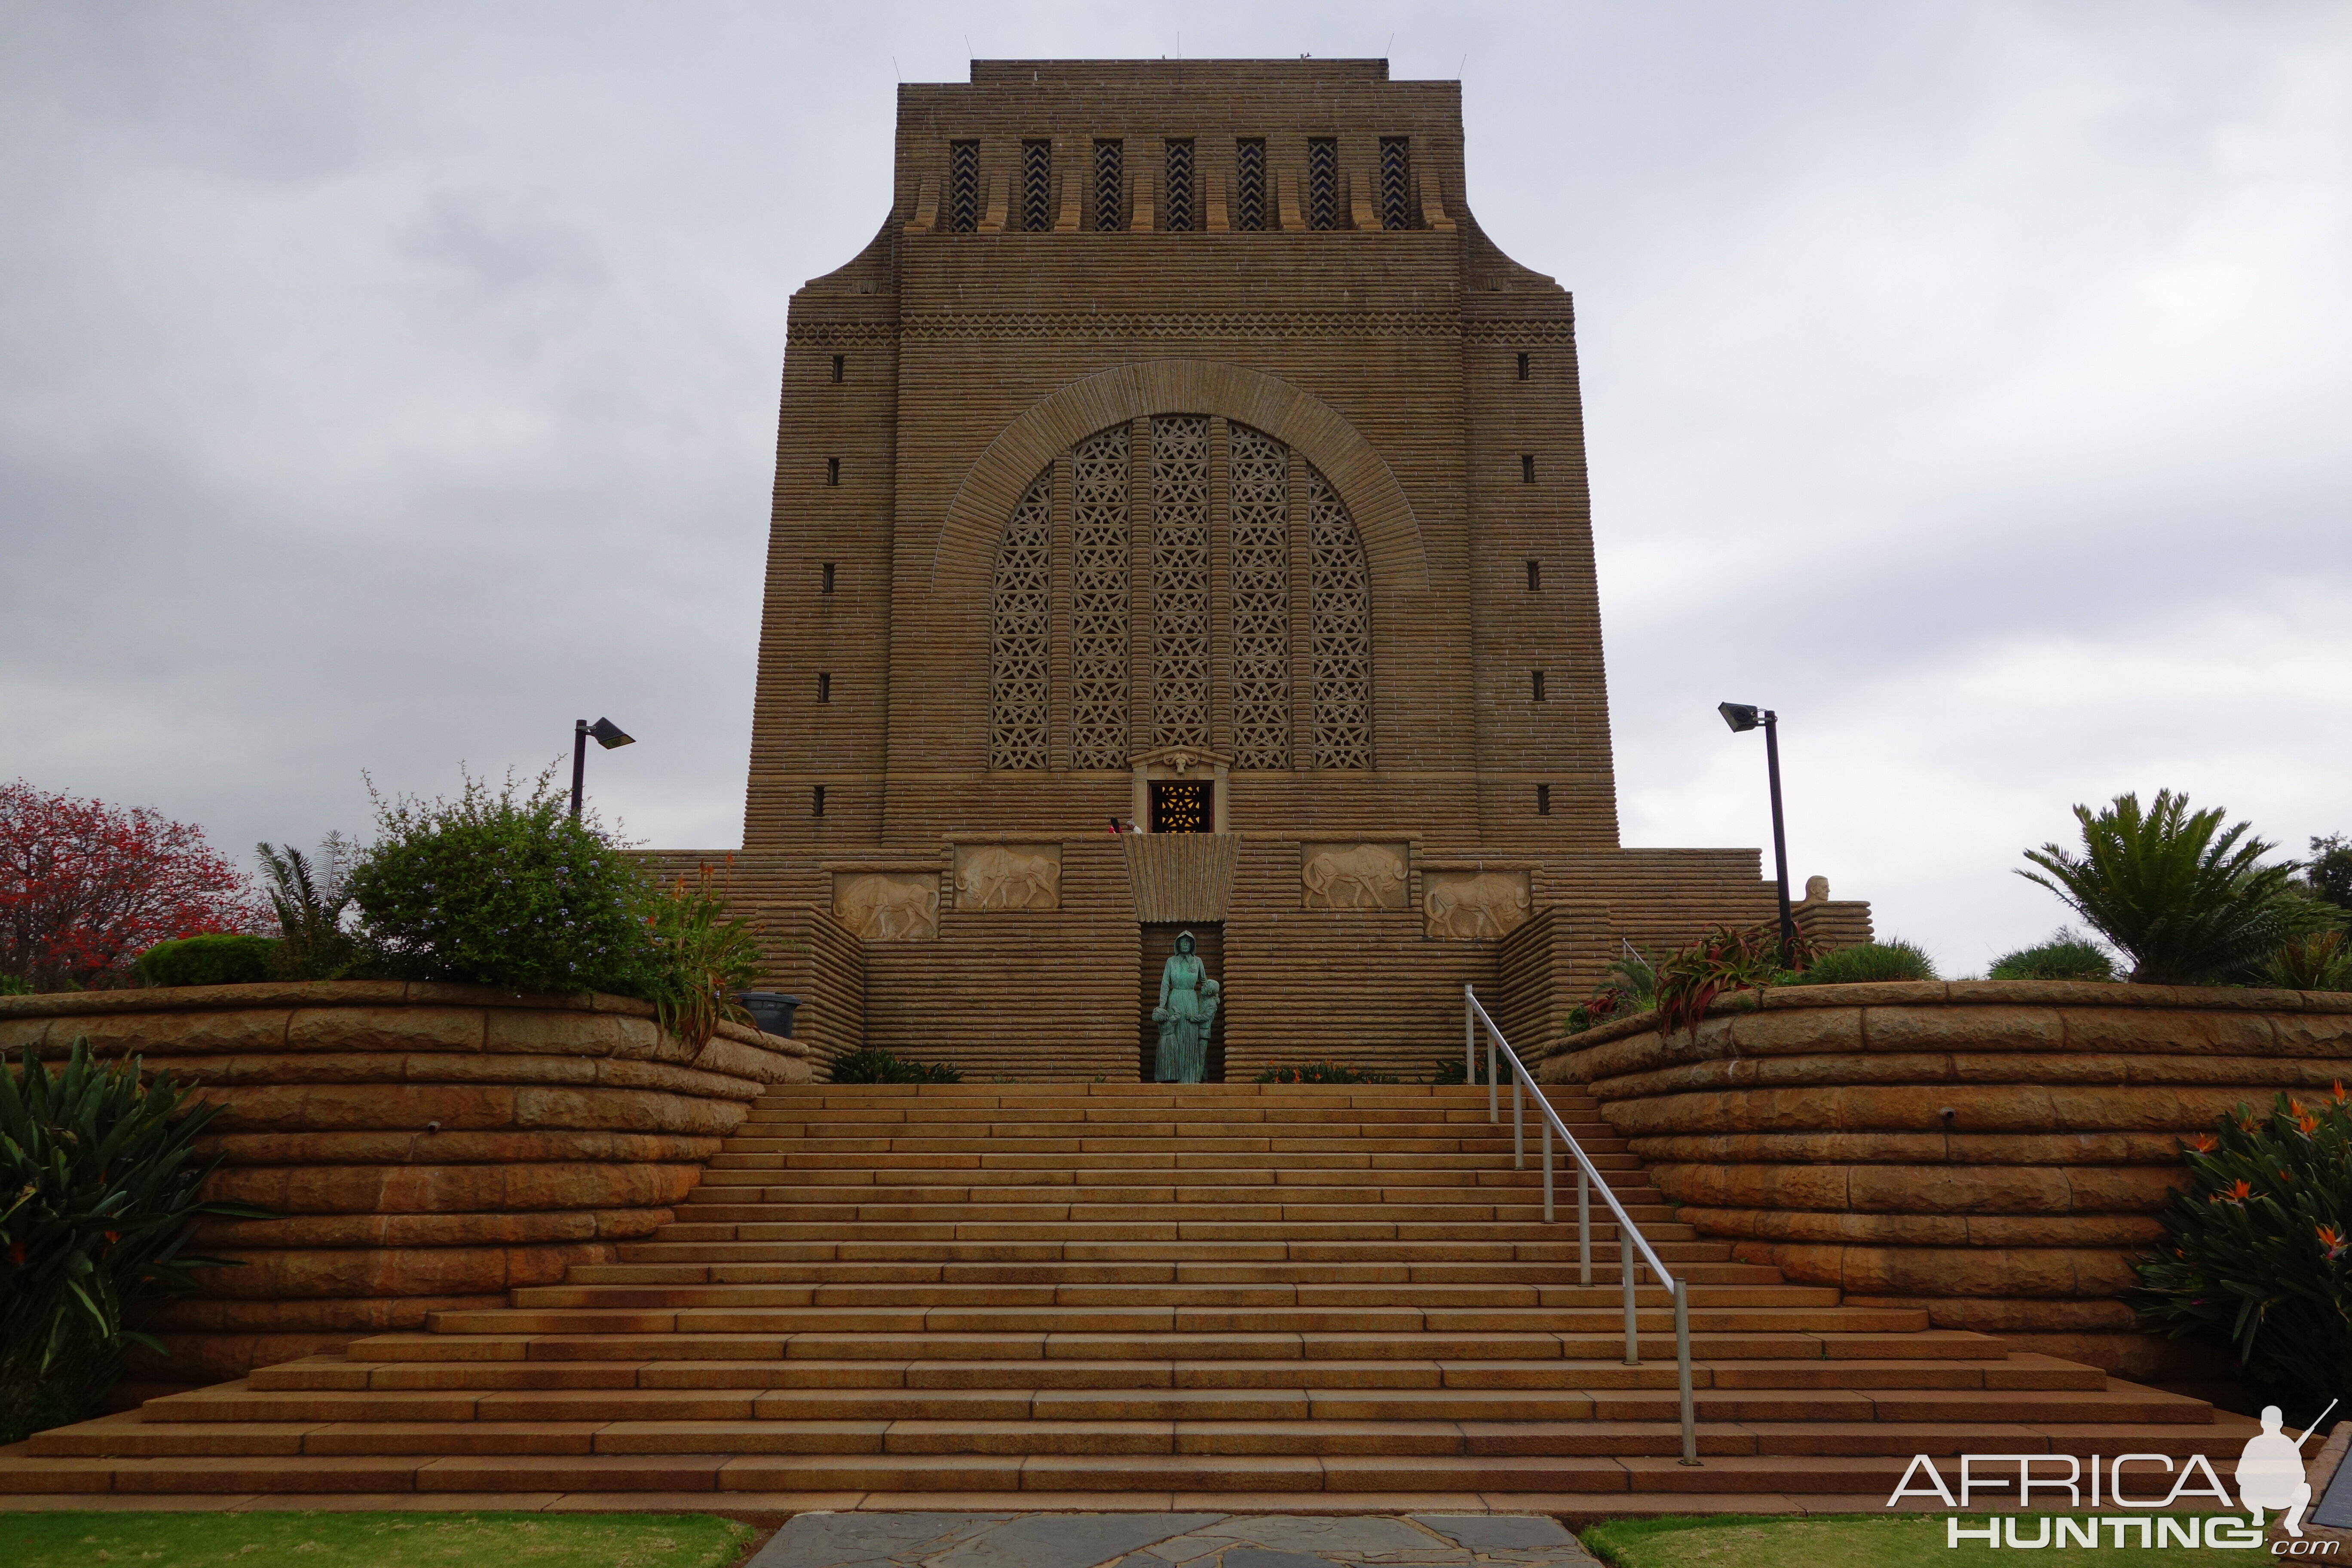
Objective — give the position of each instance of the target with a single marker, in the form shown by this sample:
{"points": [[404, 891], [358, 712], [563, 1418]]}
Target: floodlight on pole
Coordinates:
{"points": [[1743, 717], [606, 734]]}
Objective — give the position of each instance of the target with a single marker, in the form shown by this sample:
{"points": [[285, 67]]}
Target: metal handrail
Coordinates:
{"points": [[1588, 1176]]}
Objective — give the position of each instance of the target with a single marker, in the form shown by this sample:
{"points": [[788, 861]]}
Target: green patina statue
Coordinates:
{"points": [[1187, 1010]]}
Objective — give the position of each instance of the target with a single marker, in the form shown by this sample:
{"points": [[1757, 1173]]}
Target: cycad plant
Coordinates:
{"points": [[310, 899], [2186, 899], [98, 1178]]}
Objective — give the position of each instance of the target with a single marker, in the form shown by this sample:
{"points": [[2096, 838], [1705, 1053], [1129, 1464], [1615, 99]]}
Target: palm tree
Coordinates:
{"points": [[2187, 900]]}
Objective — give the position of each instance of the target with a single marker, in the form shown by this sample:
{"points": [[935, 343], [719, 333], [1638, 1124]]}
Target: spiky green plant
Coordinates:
{"points": [[1896, 960], [2187, 901], [701, 959], [873, 1065], [2066, 955], [311, 899], [1324, 1072], [99, 1174], [2257, 1250], [2320, 961], [1726, 959]]}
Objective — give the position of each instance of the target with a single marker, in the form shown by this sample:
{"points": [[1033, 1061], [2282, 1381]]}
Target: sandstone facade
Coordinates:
{"points": [[1181, 451]]}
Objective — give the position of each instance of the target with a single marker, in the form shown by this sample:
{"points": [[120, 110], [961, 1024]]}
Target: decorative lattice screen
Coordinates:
{"points": [[1339, 591], [964, 186], [1021, 609], [1179, 580], [1037, 186], [1249, 185], [1110, 187], [1396, 182], [1180, 187], [1322, 182], [1099, 603], [1259, 545]]}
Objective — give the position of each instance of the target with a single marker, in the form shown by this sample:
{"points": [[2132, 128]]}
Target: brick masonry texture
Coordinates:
{"points": [[1396, 356]]}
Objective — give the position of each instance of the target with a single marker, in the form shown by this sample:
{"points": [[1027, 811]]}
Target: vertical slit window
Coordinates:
{"points": [[828, 579], [963, 187], [1110, 186], [1180, 187], [840, 363], [825, 686], [1527, 469], [816, 800], [832, 470], [1535, 576], [1535, 680], [1323, 183], [1249, 185], [1037, 185], [1396, 182], [1525, 365], [1543, 800]]}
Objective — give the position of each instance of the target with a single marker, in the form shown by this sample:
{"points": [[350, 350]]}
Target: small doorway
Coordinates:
{"points": [[1184, 805], [1158, 945]]}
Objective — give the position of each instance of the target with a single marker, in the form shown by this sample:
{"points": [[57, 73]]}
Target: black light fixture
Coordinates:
{"points": [[1743, 717], [607, 734]]}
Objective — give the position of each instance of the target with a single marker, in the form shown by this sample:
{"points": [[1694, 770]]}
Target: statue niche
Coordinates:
{"points": [[1187, 1012]]}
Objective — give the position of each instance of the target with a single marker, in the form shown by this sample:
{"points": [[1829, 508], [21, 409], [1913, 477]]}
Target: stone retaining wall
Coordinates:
{"points": [[1993, 1152], [427, 1146]]}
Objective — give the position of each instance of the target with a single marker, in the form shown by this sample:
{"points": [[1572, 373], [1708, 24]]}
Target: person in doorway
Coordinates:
{"points": [[1187, 1011]]}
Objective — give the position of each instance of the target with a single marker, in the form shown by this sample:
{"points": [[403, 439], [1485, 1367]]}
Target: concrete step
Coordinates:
{"points": [[830, 1272]]}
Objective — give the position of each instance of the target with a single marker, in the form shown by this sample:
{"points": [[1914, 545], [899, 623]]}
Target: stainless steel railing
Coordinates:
{"points": [[1629, 1239]]}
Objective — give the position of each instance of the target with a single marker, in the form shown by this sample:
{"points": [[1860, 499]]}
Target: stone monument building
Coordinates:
{"points": [[1179, 454]]}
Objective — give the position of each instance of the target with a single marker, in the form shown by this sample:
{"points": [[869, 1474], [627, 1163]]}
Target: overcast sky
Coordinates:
{"points": [[384, 385]]}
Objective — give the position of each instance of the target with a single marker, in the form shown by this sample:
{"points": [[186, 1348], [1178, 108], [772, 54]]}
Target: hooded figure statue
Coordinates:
{"points": [[1187, 1010]]}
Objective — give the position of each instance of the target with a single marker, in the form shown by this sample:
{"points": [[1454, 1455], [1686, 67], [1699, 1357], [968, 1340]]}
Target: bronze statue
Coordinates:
{"points": [[1187, 1011]]}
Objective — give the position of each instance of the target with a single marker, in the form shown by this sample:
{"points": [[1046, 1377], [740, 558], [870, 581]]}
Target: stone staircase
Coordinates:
{"points": [[1226, 1296]]}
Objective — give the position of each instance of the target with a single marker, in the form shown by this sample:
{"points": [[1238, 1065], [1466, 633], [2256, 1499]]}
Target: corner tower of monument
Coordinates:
{"points": [[1182, 454]]}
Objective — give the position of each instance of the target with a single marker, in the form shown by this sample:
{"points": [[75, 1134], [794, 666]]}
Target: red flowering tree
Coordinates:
{"points": [[86, 886]]}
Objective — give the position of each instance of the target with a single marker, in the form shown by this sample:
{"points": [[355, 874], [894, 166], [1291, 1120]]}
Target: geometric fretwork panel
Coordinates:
{"points": [[1259, 485], [1339, 591], [1099, 677], [1021, 613], [1179, 580]]}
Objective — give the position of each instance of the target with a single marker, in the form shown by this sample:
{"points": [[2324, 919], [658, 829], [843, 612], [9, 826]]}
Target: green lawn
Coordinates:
{"points": [[1860, 1541], [371, 1539]]}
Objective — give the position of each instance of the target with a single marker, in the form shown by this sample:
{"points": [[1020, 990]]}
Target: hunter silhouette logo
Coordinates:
{"points": [[2270, 1471]]}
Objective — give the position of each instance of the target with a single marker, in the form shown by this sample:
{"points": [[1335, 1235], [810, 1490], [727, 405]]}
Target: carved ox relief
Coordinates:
{"points": [[1008, 877], [1464, 906], [1352, 876], [888, 906]]}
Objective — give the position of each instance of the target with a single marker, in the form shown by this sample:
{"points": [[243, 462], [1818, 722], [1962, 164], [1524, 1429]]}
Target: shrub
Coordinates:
{"points": [[872, 1066], [1324, 1072], [2067, 956], [14, 985], [219, 960], [311, 901], [699, 960], [1725, 959], [2328, 872], [2257, 1251], [2188, 901], [100, 1176], [1868, 960], [502, 888], [2321, 962], [1449, 1069], [1632, 987]]}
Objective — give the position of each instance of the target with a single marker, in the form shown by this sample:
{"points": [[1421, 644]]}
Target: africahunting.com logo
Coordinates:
{"points": [[2269, 1475]]}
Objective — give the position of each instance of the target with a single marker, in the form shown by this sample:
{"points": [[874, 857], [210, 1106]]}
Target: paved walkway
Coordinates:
{"points": [[1169, 1541]]}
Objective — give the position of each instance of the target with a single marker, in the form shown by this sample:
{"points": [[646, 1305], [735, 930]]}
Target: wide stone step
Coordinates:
{"points": [[1188, 1230], [827, 1272], [1232, 1294], [1673, 1249]]}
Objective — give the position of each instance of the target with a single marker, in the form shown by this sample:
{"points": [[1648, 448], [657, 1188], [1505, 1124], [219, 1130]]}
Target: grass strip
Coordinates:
{"points": [[273, 1539], [1863, 1540]]}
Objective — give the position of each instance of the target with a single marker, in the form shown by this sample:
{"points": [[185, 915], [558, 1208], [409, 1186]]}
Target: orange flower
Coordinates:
{"points": [[2307, 1124], [2328, 1235], [2204, 1143], [2237, 1192], [2338, 1094]]}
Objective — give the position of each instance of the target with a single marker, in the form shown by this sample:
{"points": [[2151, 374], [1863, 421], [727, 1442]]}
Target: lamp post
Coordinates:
{"points": [[1743, 717], [608, 735]]}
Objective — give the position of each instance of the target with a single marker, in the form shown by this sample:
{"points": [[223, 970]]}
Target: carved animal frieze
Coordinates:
{"points": [[1352, 876], [1465, 906], [888, 906], [1008, 877]]}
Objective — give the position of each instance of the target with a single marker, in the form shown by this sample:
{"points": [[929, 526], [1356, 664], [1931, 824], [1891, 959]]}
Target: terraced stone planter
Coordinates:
{"points": [[427, 1146], [1993, 1152]]}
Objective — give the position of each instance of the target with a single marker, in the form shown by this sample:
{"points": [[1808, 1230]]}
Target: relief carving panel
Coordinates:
{"points": [[888, 906], [1008, 875], [1352, 876], [1466, 906]]}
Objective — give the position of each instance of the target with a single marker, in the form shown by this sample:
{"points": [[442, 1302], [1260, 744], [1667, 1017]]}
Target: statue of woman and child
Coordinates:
{"points": [[1187, 1008]]}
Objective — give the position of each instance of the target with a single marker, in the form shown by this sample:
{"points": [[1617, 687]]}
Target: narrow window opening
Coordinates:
{"points": [[1543, 800], [832, 470], [1249, 185], [1396, 182], [1525, 365], [828, 579], [1323, 183], [1037, 185], [1535, 577], [825, 686], [963, 187], [1537, 675], [816, 800], [1110, 186], [1527, 469], [1180, 187], [840, 363]]}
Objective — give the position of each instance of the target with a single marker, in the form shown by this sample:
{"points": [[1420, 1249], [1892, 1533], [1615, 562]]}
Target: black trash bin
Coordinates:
{"points": [[772, 1011]]}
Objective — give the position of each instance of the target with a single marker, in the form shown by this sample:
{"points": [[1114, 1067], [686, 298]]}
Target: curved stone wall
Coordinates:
{"points": [[1993, 1152], [427, 1147]]}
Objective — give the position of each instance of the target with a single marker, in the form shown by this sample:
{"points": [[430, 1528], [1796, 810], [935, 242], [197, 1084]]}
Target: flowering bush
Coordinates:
{"points": [[502, 888], [699, 960], [86, 886], [2258, 1250]]}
